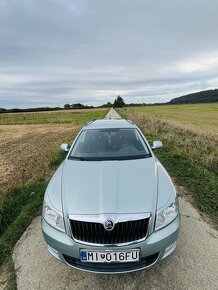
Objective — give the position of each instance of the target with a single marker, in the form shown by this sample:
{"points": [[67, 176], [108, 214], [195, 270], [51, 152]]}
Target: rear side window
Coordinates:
{"points": [[109, 144]]}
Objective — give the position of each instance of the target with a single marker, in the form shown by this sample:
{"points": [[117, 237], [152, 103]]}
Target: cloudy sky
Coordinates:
{"points": [[54, 52]]}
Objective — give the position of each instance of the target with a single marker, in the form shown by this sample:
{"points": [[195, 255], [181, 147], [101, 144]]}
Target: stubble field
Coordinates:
{"points": [[30, 141], [30, 152], [26, 151]]}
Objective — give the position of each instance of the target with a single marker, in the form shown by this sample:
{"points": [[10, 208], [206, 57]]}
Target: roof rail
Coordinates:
{"points": [[130, 121], [90, 122]]}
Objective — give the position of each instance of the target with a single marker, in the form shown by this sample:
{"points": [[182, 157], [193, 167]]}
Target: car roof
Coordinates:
{"points": [[109, 123]]}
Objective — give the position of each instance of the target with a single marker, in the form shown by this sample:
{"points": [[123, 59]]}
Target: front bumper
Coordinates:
{"points": [[156, 247]]}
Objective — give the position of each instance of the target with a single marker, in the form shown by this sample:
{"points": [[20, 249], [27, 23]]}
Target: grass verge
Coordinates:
{"points": [[7, 275], [189, 157], [17, 210], [18, 214]]}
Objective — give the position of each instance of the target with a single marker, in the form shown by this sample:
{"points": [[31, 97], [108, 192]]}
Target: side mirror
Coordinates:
{"points": [[64, 147], [156, 145]]}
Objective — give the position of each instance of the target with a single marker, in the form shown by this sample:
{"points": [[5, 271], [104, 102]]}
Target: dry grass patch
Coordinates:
{"points": [[191, 140], [26, 151]]}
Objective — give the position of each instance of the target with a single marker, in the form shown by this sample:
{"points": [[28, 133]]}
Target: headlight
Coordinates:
{"points": [[168, 214], [53, 217]]}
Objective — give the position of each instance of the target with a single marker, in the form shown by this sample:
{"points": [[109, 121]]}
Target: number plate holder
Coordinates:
{"points": [[109, 256]]}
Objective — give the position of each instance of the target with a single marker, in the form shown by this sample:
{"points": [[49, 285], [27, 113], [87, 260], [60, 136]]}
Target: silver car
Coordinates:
{"points": [[111, 207]]}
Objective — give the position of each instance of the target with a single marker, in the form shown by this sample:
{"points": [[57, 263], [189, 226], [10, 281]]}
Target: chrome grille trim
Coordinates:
{"points": [[129, 229]]}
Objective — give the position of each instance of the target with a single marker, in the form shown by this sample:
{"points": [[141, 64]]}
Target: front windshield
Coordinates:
{"points": [[109, 144]]}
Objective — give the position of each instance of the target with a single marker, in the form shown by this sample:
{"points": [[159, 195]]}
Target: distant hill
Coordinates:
{"points": [[209, 96]]}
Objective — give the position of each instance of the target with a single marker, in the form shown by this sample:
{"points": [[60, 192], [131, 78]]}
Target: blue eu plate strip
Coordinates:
{"points": [[84, 256]]}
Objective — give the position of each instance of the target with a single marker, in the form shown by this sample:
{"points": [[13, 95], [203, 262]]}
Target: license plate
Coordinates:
{"points": [[109, 256]]}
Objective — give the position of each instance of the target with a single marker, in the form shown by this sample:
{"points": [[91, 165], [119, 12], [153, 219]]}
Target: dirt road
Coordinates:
{"points": [[193, 265], [112, 114]]}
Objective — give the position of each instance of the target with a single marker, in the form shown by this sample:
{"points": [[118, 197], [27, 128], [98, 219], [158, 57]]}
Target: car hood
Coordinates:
{"points": [[108, 187]]}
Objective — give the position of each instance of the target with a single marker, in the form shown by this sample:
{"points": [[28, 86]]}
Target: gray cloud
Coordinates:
{"points": [[58, 51]]}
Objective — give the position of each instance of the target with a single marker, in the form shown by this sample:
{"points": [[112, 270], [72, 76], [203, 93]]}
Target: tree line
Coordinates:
{"points": [[208, 96]]}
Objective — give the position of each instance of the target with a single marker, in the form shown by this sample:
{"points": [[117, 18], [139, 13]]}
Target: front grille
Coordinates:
{"points": [[123, 232], [112, 267]]}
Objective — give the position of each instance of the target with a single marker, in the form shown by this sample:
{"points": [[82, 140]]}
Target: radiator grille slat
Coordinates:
{"points": [[123, 232]]}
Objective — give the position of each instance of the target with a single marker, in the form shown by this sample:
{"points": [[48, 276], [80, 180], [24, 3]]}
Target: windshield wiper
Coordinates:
{"points": [[77, 158], [147, 155], [141, 156]]}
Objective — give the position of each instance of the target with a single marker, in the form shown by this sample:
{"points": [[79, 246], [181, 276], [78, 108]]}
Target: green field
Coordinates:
{"points": [[190, 153], [197, 116], [63, 116]]}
